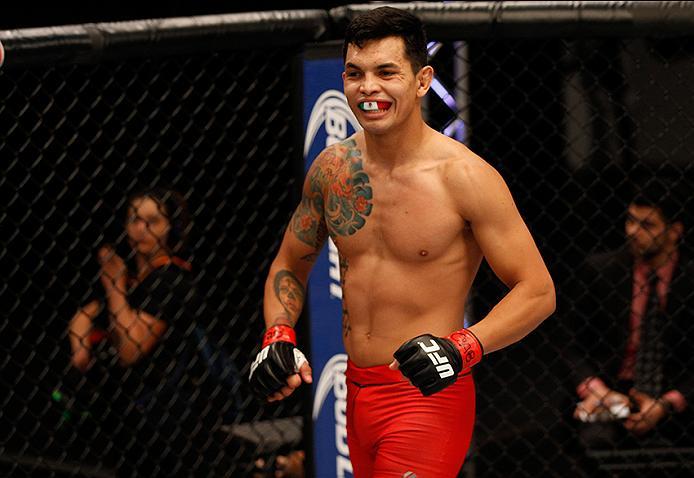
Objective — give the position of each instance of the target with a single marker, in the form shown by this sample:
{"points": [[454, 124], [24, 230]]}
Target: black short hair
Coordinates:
{"points": [[173, 206], [385, 22], [663, 196]]}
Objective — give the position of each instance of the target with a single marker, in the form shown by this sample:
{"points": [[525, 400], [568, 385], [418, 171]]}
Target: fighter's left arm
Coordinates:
{"points": [[486, 203]]}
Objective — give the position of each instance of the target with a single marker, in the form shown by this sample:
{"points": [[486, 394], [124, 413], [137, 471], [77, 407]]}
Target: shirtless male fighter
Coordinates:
{"points": [[412, 213]]}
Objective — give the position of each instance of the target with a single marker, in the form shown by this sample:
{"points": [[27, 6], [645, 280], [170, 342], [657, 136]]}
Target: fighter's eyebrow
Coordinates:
{"points": [[379, 67]]}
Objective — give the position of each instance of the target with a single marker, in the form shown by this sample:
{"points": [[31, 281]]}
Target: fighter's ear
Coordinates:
{"points": [[424, 77]]}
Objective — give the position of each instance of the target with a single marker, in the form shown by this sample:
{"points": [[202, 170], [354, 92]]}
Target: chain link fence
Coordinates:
{"points": [[579, 127], [216, 124], [579, 107], [579, 123]]}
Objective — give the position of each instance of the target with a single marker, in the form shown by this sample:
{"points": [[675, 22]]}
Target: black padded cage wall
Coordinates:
{"points": [[579, 105]]}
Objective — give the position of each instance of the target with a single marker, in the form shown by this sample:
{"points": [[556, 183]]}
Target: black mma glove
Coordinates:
{"points": [[278, 359], [433, 363]]}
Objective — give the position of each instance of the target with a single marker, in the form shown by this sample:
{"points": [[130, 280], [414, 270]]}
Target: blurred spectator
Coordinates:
{"points": [[137, 346], [634, 332], [140, 303]]}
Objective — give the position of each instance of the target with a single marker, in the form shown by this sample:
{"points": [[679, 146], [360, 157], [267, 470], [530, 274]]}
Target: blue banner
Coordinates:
{"points": [[327, 120]]}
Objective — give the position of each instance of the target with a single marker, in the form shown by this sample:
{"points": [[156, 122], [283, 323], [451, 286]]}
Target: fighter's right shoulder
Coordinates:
{"points": [[333, 159], [338, 151]]}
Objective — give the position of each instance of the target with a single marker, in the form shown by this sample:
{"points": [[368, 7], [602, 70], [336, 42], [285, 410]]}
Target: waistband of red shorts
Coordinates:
{"points": [[376, 375]]}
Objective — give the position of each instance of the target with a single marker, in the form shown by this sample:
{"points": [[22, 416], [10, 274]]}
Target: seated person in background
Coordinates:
{"points": [[145, 320], [634, 326]]}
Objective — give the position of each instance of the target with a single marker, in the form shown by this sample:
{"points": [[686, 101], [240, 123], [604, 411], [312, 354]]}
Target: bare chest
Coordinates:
{"points": [[408, 217]]}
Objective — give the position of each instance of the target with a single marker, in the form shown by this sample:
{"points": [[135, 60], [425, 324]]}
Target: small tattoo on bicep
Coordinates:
{"points": [[308, 223]]}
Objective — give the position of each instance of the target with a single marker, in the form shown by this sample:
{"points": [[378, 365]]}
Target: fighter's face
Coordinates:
{"points": [[648, 232], [147, 227], [380, 86]]}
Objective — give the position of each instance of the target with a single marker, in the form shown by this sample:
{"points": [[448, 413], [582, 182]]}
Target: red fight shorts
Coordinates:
{"points": [[395, 431]]}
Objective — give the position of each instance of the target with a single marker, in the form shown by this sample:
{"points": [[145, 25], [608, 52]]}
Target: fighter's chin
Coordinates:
{"points": [[375, 128]]}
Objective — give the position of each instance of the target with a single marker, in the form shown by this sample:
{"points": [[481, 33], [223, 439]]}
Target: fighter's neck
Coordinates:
{"points": [[396, 147]]}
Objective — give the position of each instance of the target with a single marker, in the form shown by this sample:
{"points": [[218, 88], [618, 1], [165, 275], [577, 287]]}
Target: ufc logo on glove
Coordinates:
{"points": [[443, 365], [449, 355]]}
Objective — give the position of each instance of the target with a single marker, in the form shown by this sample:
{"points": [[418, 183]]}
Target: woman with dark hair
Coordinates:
{"points": [[135, 347], [138, 305]]}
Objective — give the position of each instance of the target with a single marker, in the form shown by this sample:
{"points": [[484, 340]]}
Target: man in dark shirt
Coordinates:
{"points": [[634, 332]]}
